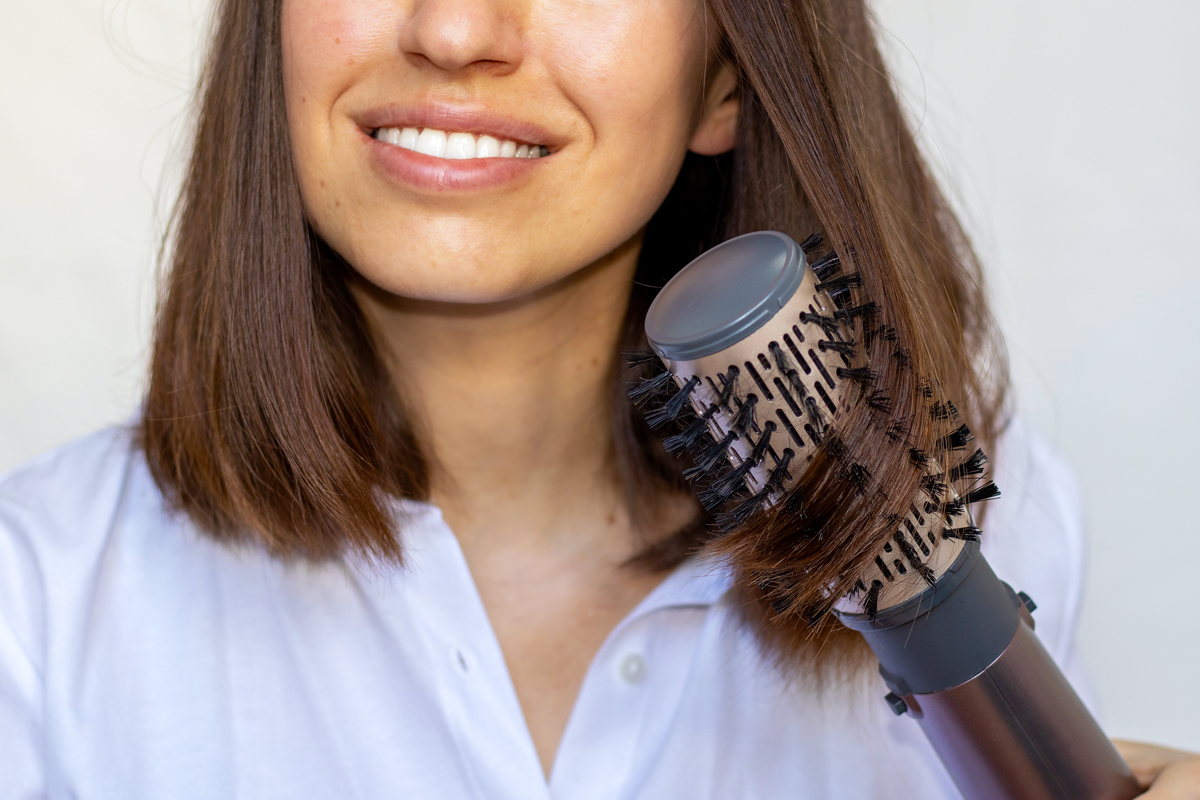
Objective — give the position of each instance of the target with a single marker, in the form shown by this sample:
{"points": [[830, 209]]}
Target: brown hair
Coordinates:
{"points": [[270, 417]]}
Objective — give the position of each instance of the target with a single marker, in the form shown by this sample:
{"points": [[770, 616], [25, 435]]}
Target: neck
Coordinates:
{"points": [[513, 399]]}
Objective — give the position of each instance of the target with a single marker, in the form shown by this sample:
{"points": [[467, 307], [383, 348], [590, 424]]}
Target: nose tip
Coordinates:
{"points": [[456, 34]]}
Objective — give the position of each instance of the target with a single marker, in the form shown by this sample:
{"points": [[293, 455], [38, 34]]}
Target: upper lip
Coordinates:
{"points": [[456, 117]]}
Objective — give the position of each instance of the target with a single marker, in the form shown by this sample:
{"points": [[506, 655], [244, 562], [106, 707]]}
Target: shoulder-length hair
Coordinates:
{"points": [[269, 416]]}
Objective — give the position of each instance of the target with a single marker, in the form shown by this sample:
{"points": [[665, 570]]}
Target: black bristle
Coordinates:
{"points": [[925, 388], [880, 401], [672, 408], [815, 418], [729, 379], [959, 439], [793, 503], [836, 447], [828, 324], [865, 310], [814, 241], [897, 430], [826, 266], [903, 358], [797, 385], [780, 473], [940, 412], [814, 615], [763, 445], [688, 436], [918, 456], [742, 511], [988, 491], [953, 410], [782, 603], [840, 283], [649, 387], [743, 421], [713, 457], [871, 605], [782, 362], [844, 348], [641, 358], [860, 375], [722, 490], [967, 533], [724, 487], [934, 486], [914, 558], [972, 466], [860, 476]]}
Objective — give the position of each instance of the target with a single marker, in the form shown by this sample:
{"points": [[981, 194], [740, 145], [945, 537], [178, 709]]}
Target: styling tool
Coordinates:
{"points": [[763, 364]]}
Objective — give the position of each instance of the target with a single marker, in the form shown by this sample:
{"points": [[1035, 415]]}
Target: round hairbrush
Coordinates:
{"points": [[761, 368]]}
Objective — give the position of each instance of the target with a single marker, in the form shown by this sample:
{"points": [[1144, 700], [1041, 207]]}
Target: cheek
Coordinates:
{"points": [[327, 45], [634, 68]]}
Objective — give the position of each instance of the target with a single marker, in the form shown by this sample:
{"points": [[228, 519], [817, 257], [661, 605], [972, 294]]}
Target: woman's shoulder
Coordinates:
{"points": [[59, 514], [62, 496]]}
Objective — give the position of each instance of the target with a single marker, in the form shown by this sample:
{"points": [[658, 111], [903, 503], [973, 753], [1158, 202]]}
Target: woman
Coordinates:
{"points": [[386, 524]]}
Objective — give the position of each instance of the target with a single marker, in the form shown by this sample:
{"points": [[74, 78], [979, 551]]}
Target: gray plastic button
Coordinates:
{"points": [[632, 668]]}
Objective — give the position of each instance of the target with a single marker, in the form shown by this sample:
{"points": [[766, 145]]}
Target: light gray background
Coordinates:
{"points": [[1068, 132]]}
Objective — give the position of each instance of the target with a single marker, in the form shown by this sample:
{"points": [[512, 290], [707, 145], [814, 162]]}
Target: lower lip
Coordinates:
{"points": [[430, 174]]}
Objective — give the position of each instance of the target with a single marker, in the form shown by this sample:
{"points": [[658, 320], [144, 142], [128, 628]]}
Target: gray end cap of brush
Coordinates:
{"points": [[725, 295]]}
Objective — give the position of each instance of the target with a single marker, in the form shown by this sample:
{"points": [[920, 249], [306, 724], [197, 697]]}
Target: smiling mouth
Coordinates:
{"points": [[457, 145]]}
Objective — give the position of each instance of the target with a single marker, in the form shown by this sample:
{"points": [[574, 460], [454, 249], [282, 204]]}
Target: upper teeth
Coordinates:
{"points": [[440, 144]]}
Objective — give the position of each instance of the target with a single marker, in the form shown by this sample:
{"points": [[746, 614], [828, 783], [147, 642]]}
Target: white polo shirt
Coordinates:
{"points": [[138, 659]]}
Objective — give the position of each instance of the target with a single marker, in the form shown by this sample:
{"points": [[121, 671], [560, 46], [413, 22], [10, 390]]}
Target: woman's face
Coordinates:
{"points": [[610, 93]]}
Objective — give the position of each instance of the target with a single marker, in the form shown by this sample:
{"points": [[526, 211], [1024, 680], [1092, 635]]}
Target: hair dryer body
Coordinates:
{"points": [[963, 660]]}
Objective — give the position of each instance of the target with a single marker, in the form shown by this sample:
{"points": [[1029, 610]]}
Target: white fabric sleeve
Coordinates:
{"points": [[22, 750], [1035, 539]]}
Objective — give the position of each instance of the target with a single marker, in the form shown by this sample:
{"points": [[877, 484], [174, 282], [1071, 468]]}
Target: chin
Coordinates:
{"points": [[464, 283]]}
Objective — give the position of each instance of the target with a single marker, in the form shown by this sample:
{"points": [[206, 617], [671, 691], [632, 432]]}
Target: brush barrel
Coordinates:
{"points": [[963, 661]]}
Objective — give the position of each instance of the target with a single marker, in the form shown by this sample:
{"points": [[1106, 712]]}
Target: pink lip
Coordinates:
{"points": [[429, 174]]}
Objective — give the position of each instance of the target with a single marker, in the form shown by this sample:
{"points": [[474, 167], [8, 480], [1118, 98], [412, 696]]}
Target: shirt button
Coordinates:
{"points": [[632, 668]]}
